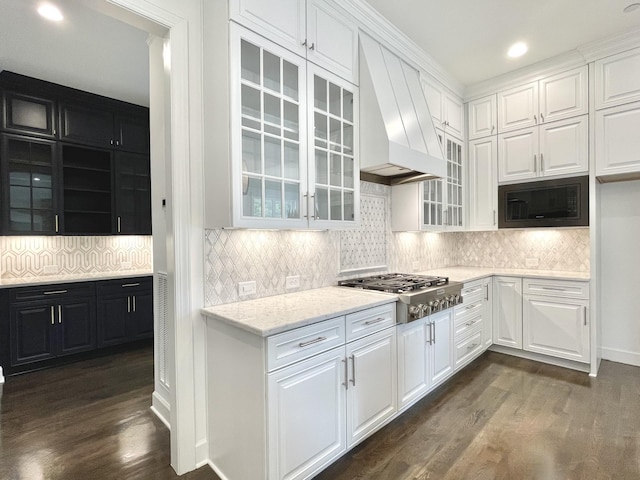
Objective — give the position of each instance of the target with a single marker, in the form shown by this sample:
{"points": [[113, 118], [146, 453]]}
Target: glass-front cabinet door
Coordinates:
{"points": [[29, 178], [453, 152], [269, 144], [333, 178], [433, 204]]}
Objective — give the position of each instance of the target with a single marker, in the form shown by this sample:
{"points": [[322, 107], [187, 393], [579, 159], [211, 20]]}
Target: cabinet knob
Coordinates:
{"points": [[535, 119]]}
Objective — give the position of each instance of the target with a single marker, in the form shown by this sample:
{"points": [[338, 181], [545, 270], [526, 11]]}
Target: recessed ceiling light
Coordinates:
{"points": [[50, 12], [631, 7], [517, 49]]}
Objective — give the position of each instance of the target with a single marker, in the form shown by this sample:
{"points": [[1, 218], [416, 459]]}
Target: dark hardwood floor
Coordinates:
{"points": [[86, 421], [509, 418], [501, 418]]}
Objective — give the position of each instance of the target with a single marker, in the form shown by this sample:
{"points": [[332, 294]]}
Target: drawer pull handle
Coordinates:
{"points": [[59, 313], [125, 285], [311, 342], [55, 292], [468, 324], [473, 305], [472, 346], [373, 322], [473, 290], [53, 321], [557, 289]]}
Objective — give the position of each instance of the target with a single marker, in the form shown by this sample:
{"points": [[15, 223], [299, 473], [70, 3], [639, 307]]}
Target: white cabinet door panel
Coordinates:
{"points": [[483, 184], [332, 40], [507, 313], [564, 95], [518, 107], [617, 140], [454, 116], [282, 21], [482, 117], [564, 146], [435, 101], [306, 405], [372, 390], [556, 327], [618, 79], [441, 342], [518, 155], [413, 381]]}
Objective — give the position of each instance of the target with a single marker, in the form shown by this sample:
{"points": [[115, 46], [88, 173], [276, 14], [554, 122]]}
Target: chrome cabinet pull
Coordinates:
{"points": [[472, 346], [134, 303], [57, 224], [555, 289], [311, 342], [433, 326], [585, 315], [486, 292], [306, 202], [119, 224], [125, 285], [535, 119], [542, 118], [353, 369], [541, 163], [304, 44], [59, 314], [346, 374], [429, 339], [128, 304], [55, 292], [53, 321], [373, 322], [312, 47], [493, 127], [494, 217], [468, 324], [535, 164]]}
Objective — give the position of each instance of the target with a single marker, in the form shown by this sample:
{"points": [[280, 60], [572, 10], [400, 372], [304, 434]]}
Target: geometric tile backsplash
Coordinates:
{"points": [[322, 258], [31, 256]]}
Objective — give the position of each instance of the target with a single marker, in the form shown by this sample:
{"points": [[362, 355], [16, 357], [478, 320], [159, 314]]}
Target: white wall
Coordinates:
{"points": [[87, 51], [619, 267]]}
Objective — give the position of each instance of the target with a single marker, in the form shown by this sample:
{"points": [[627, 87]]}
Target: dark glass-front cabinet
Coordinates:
{"points": [[30, 176], [51, 321], [72, 162], [28, 114], [125, 310], [132, 193]]}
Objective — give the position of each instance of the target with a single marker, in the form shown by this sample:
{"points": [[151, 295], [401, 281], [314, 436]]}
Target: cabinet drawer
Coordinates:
{"points": [[112, 287], [468, 348], [556, 288], [468, 309], [464, 325], [50, 292], [290, 347], [370, 320]]}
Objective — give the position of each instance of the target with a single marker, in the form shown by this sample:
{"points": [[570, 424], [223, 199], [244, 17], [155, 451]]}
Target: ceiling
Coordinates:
{"points": [[87, 50], [470, 38]]}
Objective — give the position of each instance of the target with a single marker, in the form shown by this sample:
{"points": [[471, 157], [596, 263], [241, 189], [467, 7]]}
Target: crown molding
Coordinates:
{"points": [[610, 46], [379, 28]]}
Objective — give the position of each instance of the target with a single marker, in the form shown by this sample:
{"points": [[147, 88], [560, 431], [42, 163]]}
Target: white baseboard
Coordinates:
{"points": [[202, 453], [621, 356], [218, 472], [538, 357], [161, 408]]}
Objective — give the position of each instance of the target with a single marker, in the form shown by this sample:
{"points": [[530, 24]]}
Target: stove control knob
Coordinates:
{"points": [[415, 311], [457, 299]]}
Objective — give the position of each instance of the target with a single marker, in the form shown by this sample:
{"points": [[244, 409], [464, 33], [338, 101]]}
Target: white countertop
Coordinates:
{"points": [[468, 274], [279, 313], [70, 278]]}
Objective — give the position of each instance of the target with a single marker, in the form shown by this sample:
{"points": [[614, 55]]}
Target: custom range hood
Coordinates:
{"points": [[398, 142]]}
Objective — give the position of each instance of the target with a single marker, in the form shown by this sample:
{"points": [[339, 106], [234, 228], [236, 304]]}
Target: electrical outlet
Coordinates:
{"points": [[415, 266], [125, 265], [247, 288], [50, 269], [531, 262], [292, 282]]}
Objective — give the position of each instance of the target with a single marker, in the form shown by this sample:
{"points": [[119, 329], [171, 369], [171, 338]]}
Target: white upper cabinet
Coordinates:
{"points": [[446, 109], [618, 79], [311, 28], [618, 141], [552, 149], [553, 98], [294, 140], [483, 117], [483, 184], [564, 95], [518, 107]]}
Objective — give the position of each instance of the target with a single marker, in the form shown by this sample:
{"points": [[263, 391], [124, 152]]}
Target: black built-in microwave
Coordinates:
{"points": [[549, 203]]}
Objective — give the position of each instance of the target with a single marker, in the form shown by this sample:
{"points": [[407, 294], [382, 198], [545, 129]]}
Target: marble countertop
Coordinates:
{"points": [[70, 278], [279, 313], [468, 274]]}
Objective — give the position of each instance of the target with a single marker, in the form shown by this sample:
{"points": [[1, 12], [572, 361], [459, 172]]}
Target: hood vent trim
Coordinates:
{"points": [[397, 136]]}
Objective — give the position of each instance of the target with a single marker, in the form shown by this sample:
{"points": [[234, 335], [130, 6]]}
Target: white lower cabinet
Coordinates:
{"points": [[372, 383], [545, 316], [307, 409], [507, 311], [472, 322], [425, 356]]}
